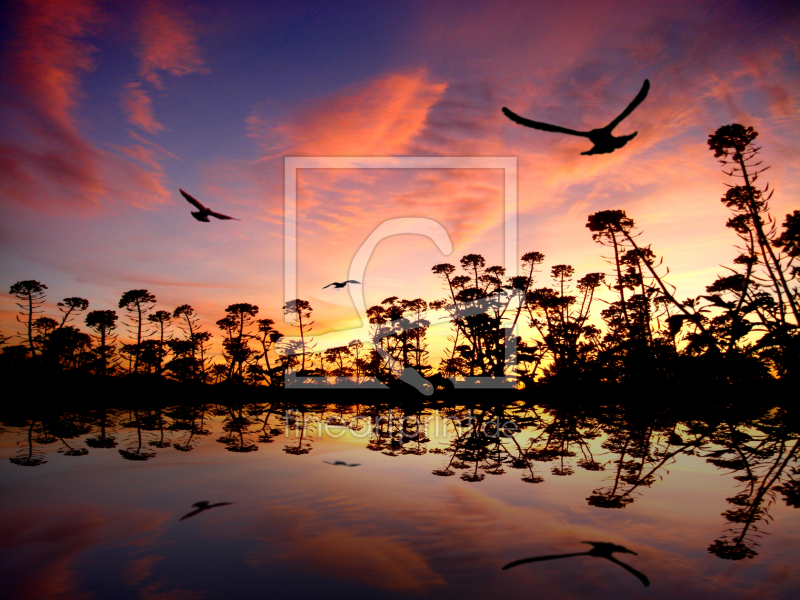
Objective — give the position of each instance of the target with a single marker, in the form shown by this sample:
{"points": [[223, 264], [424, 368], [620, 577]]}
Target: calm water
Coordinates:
{"points": [[92, 502]]}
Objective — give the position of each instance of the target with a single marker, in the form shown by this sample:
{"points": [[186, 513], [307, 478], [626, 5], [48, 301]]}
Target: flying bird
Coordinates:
{"points": [[203, 213], [604, 142], [600, 549], [341, 463], [201, 506], [341, 284]]}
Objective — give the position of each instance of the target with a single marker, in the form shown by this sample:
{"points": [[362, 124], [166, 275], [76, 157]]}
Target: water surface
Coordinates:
{"points": [[92, 502]]}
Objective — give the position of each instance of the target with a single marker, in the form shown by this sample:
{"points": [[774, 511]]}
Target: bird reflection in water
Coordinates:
{"points": [[341, 463], [202, 506], [600, 549]]}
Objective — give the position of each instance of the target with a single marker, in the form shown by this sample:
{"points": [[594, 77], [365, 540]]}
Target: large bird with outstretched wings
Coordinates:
{"points": [[603, 140], [203, 213]]}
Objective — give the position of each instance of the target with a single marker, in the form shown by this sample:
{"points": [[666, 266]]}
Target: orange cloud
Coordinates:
{"points": [[379, 118], [168, 43], [139, 107], [386, 562]]}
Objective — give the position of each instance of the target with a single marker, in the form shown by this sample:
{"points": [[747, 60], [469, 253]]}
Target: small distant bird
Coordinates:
{"points": [[602, 139], [341, 463], [201, 506], [600, 549], [203, 213], [341, 284]]}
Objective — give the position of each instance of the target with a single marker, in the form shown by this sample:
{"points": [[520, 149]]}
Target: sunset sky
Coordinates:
{"points": [[109, 108]]}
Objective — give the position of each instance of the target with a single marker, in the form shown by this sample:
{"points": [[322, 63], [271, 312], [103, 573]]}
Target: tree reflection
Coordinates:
{"points": [[135, 450], [236, 425], [760, 455], [632, 446]]}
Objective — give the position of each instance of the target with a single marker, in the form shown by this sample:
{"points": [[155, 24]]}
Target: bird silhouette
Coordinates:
{"points": [[203, 213], [201, 506], [341, 463], [599, 549], [341, 284], [604, 142]]}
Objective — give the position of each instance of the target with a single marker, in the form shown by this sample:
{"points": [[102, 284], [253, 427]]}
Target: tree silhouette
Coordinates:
{"points": [[303, 310], [762, 289], [744, 329], [69, 347], [337, 357], [32, 294], [161, 319], [198, 340], [68, 306], [269, 336], [562, 326], [359, 364], [237, 351], [137, 303], [44, 327]]}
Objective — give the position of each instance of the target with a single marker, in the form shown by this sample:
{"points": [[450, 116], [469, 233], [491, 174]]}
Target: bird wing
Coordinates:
{"points": [[221, 216], [193, 200], [636, 102], [640, 576], [355, 465], [352, 281], [327, 286], [193, 513], [540, 558], [219, 504], [543, 126]]}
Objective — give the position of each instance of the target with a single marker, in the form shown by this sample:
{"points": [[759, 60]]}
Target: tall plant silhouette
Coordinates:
{"points": [[161, 319], [400, 326], [562, 321], [303, 310], [137, 303], [760, 285], [190, 359], [71, 307], [236, 347], [32, 295], [635, 345]]}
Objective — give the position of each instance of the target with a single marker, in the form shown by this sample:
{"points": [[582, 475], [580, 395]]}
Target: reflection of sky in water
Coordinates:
{"points": [[98, 526]]}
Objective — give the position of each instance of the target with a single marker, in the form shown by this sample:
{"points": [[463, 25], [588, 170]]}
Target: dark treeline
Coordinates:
{"points": [[624, 326], [632, 445]]}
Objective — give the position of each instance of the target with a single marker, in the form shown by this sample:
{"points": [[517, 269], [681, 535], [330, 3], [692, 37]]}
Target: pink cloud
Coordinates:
{"points": [[168, 43], [46, 160], [137, 104], [378, 118], [48, 55], [153, 145]]}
